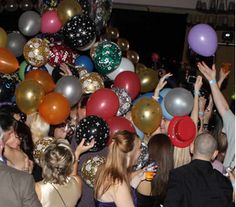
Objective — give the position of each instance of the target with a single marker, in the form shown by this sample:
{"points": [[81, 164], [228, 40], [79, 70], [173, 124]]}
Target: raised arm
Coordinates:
{"points": [[219, 100]]}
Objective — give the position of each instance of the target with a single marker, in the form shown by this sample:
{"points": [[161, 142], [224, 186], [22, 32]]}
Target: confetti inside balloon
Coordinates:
{"points": [[93, 127], [36, 52], [124, 99], [89, 169], [107, 57], [79, 32], [143, 157]]}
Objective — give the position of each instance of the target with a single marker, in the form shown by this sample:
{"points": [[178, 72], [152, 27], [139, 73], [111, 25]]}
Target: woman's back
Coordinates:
{"points": [[60, 195]]}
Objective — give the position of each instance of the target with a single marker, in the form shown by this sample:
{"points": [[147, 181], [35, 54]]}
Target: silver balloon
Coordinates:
{"points": [[26, 5], [70, 87], [179, 102], [11, 5], [29, 23], [16, 42]]}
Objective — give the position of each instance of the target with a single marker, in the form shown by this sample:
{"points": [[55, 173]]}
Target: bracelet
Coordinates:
{"points": [[211, 82], [201, 113], [196, 93]]}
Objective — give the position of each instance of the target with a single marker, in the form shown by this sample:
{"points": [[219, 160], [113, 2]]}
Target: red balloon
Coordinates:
{"points": [[55, 108], [129, 81], [103, 103], [60, 54], [118, 123]]}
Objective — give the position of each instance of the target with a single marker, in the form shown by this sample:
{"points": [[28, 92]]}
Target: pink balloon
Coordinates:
{"points": [[130, 82], [118, 123], [103, 103], [50, 23]]}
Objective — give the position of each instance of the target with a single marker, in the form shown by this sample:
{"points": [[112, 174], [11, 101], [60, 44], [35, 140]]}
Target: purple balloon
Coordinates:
{"points": [[202, 39]]}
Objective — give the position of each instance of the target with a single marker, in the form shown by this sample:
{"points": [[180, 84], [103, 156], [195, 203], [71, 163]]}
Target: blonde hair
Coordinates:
{"points": [[115, 169], [181, 156], [57, 162], [38, 127]]}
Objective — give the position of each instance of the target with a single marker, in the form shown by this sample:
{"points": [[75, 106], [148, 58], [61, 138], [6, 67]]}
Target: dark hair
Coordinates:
{"points": [[83, 100], [215, 124], [161, 151], [23, 131], [7, 122], [53, 127]]}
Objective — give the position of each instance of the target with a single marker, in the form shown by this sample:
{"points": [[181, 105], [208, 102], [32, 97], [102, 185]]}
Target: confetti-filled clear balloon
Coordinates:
{"points": [[124, 99], [143, 157], [93, 127], [89, 169], [79, 32], [107, 57], [36, 52]]}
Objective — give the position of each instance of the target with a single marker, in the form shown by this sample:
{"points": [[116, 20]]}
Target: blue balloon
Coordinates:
{"points": [[85, 62], [163, 93], [148, 95], [139, 132]]}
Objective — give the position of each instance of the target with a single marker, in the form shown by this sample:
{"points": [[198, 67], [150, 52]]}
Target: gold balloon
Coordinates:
{"points": [[36, 52], [67, 9], [148, 78], [132, 56], [123, 44], [112, 33], [29, 95], [92, 49], [3, 37], [139, 67], [147, 115], [91, 82]]}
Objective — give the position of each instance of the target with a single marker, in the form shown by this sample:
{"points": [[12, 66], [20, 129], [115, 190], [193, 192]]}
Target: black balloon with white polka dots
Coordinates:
{"points": [[93, 127]]}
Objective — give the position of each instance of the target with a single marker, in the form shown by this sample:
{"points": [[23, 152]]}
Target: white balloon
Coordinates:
{"points": [[125, 65]]}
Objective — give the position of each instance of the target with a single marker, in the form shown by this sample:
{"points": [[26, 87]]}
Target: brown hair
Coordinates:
{"points": [[161, 151], [57, 162], [115, 169]]}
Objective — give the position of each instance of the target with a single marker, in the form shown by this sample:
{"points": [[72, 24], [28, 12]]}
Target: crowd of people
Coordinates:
{"points": [[194, 158]]}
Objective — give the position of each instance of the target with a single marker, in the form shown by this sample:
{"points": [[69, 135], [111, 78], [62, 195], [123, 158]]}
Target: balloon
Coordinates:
{"points": [[59, 54], [16, 43], [107, 57], [103, 103], [43, 78], [89, 169], [112, 32], [79, 32], [55, 108], [3, 37], [86, 6], [125, 65], [130, 82], [29, 23], [148, 78], [36, 52], [179, 102], [139, 132], [11, 5], [124, 100], [146, 115], [123, 44], [8, 62], [29, 95], [93, 49], [91, 82], [70, 87], [50, 22], [140, 66], [93, 127], [142, 158], [147, 95], [202, 39], [88, 46], [132, 56], [26, 5], [84, 61], [51, 3], [117, 123], [67, 9], [7, 89], [163, 94]]}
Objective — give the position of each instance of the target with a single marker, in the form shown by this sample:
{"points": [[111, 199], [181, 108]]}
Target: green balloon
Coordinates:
{"points": [[107, 57], [22, 70]]}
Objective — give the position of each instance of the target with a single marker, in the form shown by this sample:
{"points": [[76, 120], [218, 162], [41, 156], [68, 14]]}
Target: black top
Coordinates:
{"points": [[198, 184], [147, 201]]}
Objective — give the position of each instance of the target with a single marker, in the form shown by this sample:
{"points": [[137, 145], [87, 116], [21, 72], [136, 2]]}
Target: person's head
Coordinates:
{"points": [[24, 134], [38, 127], [182, 156], [57, 162], [58, 131], [204, 147], [164, 126], [222, 144], [123, 154], [82, 106], [161, 151]]}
